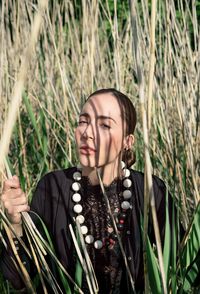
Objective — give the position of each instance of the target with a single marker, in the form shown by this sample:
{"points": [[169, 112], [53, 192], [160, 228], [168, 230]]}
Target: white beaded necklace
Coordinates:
{"points": [[76, 197]]}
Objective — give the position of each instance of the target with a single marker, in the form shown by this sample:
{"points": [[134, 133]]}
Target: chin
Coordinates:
{"points": [[87, 162], [91, 162]]}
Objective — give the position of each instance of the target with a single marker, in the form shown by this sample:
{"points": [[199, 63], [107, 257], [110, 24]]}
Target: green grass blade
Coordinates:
{"points": [[153, 270], [49, 241], [174, 255], [167, 241], [190, 256]]}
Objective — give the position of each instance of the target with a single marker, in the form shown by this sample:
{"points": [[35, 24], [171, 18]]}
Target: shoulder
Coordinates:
{"points": [[55, 181], [138, 178], [159, 188], [59, 176], [53, 185]]}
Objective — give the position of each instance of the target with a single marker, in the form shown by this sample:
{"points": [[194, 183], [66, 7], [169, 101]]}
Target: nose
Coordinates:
{"points": [[88, 133]]}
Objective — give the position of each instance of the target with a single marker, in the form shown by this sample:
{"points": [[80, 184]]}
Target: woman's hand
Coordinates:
{"points": [[14, 201]]}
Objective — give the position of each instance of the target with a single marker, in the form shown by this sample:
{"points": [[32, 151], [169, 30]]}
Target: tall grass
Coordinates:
{"points": [[85, 45]]}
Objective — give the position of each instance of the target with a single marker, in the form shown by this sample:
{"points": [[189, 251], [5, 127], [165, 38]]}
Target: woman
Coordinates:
{"points": [[104, 136]]}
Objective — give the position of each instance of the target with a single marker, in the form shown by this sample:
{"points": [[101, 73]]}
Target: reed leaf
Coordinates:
{"points": [[167, 241], [153, 270], [190, 252]]}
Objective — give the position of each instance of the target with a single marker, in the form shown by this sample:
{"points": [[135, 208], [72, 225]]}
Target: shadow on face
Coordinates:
{"points": [[101, 134]]}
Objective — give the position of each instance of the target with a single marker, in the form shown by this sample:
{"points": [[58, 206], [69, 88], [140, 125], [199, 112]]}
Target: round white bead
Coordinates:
{"points": [[76, 197], [77, 176], [123, 164], [126, 173], [84, 230], [76, 186], [127, 194], [78, 208], [127, 183], [89, 239], [125, 205], [80, 218], [98, 244]]}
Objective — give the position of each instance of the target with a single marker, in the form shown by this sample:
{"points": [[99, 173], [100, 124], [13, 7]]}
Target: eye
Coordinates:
{"points": [[82, 122], [105, 126]]}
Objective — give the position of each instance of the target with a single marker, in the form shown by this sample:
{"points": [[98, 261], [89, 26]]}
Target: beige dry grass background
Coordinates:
{"points": [[86, 45]]}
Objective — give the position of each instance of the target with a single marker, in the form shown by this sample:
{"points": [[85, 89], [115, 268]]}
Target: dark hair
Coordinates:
{"points": [[128, 115]]}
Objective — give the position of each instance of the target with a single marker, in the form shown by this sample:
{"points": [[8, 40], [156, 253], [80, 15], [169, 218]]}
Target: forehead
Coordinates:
{"points": [[103, 104]]}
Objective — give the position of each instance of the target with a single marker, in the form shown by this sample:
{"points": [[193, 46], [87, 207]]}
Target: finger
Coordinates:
{"points": [[12, 194], [18, 201], [12, 210], [11, 183]]}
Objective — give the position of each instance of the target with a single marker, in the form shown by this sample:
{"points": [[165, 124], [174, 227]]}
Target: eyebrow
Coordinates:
{"points": [[98, 117]]}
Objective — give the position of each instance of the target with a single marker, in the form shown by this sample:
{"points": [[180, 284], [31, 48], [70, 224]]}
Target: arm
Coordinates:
{"points": [[15, 202]]}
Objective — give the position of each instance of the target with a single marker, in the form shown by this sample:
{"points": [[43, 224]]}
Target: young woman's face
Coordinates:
{"points": [[100, 132]]}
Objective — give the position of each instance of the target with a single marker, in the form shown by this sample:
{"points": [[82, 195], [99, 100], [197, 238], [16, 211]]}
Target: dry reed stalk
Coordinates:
{"points": [[148, 189], [37, 265], [58, 60], [117, 57], [137, 59], [147, 126], [60, 143], [44, 247], [3, 241], [94, 11], [152, 62], [2, 46], [28, 223], [81, 259], [12, 231], [19, 86], [184, 209], [88, 260], [85, 260], [39, 244], [24, 153], [26, 277], [40, 252], [66, 102]]}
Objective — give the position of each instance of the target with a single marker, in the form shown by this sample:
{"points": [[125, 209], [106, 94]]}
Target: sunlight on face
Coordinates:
{"points": [[100, 131]]}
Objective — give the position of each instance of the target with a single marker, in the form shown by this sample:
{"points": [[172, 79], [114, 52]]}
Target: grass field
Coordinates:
{"points": [[87, 45]]}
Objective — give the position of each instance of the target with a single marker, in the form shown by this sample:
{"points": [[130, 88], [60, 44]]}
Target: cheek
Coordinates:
{"points": [[112, 141], [118, 142], [117, 145]]}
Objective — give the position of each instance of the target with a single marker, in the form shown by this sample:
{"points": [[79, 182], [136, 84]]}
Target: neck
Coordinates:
{"points": [[108, 173]]}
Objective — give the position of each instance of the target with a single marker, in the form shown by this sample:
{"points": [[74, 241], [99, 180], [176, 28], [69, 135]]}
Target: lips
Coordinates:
{"points": [[87, 149]]}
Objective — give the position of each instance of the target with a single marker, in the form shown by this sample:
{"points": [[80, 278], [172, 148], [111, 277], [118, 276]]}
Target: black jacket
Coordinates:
{"points": [[52, 201]]}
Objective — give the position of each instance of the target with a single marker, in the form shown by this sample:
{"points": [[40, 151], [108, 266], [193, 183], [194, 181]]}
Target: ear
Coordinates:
{"points": [[129, 141]]}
